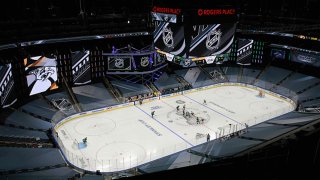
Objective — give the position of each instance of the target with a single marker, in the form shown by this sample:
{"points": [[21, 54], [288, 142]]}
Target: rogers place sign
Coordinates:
{"points": [[215, 12], [176, 11]]}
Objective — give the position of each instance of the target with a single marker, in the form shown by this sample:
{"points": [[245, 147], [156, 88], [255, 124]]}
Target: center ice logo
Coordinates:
{"points": [[180, 102], [155, 107]]}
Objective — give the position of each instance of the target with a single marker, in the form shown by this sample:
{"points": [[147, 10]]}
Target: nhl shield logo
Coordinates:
{"points": [[166, 18], [167, 37], [144, 61], [213, 39], [119, 63], [187, 62]]}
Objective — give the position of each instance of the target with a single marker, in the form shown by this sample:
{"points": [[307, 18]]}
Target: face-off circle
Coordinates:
{"points": [[92, 128], [180, 102]]}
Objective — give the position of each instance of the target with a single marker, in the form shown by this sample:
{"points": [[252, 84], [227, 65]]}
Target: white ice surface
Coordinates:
{"points": [[127, 137]]}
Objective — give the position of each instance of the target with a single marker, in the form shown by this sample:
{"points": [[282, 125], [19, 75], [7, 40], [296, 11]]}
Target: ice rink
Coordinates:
{"points": [[124, 137]]}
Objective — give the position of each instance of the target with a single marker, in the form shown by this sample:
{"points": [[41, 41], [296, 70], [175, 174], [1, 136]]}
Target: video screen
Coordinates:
{"points": [[278, 54], [172, 18], [169, 37], [213, 39], [7, 87], [119, 63], [41, 73], [312, 59], [81, 71], [244, 52], [187, 63]]}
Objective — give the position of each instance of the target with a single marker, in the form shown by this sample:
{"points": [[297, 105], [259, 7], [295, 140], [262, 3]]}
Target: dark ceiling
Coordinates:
{"points": [[22, 20]]}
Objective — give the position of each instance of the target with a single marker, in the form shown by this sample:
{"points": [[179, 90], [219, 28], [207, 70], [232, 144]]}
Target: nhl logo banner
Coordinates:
{"points": [[244, 52], [7, 90], [170, 38], [208, 40], [119, 62], [41, 73], [81, 67], [143, 62]]}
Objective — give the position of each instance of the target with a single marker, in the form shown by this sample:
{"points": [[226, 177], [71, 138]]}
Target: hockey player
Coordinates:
{"points": [[152, 114], [177, 108], [247, 126], [187, 114], [85, 140]]}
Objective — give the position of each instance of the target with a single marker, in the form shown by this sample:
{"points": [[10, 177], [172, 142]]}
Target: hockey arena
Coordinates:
{"points": [[125, 136], [159, 89]]}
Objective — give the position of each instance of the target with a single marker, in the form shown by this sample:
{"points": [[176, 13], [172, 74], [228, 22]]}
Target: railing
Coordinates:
{"points": [[79, 159], [125, 162], [115, 92], [267, 85]]}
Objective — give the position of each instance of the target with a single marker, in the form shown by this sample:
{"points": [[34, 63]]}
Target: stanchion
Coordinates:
{"points": [[109, 165]]}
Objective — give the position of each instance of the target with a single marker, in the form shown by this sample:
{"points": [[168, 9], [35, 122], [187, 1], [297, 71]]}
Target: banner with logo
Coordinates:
{"points": [[213, 39], [244, 52], [309, 58], [187, 63], [169, 37], [143, 62], [169, 57], [119, 63], [41, 73], [210, 59], [159, 59], [81, 67], [7, 90]]}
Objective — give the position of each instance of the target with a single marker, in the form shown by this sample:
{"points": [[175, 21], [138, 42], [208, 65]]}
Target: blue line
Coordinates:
{"points": [[165, 126], [212, 109]]}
